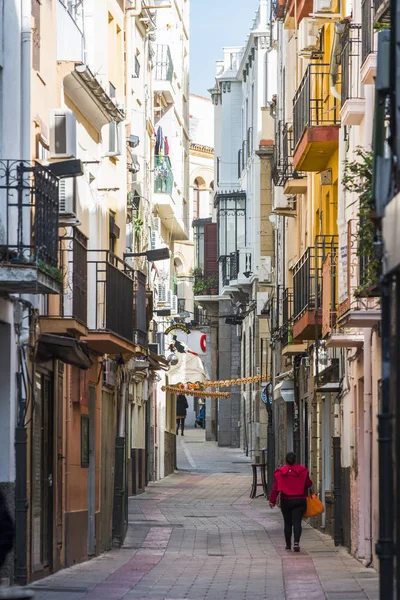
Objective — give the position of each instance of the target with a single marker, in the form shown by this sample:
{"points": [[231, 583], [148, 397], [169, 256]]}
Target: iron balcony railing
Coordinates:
{"points": [[313, 104], [287, 317], [117, 297], [28, 214], [73, 265], [307, 275], [232, 267], [367, 30], [163, 175], [351, 63], [283, 155], [163, 65]]}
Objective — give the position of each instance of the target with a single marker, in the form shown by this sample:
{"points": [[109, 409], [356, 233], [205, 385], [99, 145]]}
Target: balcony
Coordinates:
{"points": [[67, 314], [359, 302], [353, 99], [368, 54], [169, 204], [290, 346], [329, 294], [28, 229], [316, 120], [70, 43], [236, 269], [307, 288], [282, 171], [117, 297], [163, 73], [163, 175], [205, 286]]}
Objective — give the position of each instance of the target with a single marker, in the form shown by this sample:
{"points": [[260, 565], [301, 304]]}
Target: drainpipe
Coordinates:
{"points": [[367, 446], [21, 439]]}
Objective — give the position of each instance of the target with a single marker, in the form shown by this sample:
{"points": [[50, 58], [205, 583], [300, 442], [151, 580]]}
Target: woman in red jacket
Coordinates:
{"points": [[291, 482]]}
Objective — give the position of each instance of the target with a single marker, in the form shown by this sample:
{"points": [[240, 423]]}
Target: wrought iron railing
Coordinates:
{"points": [[283, 155], [329, 293], [28, 214], [307, 275], [163, 175], [234, 265], [367, 30], [73, 265], [313, 104], [117, 297], [351, 62], [287, 317], [163, 65], [139, 306]]}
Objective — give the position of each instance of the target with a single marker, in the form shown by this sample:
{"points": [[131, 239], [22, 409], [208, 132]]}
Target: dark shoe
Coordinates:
{"points": [[182, 433], [296, 548]]}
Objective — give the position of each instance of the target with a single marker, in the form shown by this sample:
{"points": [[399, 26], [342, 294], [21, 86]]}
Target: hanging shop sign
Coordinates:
{"points": [[179, 326]]}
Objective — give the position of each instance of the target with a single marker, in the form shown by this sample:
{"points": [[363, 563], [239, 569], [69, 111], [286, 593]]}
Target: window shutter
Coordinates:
{"points": [[210, 246], [36, 35]]}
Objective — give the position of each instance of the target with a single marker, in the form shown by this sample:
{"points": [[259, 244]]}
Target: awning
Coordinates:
{"points": [[67, 349], [90, 97], [157, 362], [284, 390]]}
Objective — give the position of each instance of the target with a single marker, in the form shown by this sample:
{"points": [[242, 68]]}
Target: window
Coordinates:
{"points": [[231, 212], [113, 128]]}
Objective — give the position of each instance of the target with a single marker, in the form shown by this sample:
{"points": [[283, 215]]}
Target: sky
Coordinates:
{"points": [[213, 25]]}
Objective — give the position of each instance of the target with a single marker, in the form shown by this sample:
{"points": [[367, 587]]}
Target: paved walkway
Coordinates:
{"points": [[196, 535]]}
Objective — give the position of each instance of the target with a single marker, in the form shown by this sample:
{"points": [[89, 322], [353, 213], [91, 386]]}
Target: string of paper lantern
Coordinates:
{"points": [[194, 392]]}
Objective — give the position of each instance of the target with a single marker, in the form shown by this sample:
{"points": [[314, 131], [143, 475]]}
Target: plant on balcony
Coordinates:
{"points": [[357, 178], [54, 272], [198, 287], [197, 272], [212, 284]]}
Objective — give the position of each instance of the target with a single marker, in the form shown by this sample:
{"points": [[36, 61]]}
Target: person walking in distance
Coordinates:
{"points": [[291, 482], [181, 411]]}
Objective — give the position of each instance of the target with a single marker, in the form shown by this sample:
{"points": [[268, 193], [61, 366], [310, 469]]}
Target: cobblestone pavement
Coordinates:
{"points": [[196, 535]]}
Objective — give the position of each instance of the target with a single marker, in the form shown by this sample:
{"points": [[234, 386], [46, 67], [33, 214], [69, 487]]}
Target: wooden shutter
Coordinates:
{"points": [[210, 249], [36, 35]]}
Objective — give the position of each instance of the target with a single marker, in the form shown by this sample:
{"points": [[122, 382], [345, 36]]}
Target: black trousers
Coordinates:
{"points": [[293, 511], [180, 422]]}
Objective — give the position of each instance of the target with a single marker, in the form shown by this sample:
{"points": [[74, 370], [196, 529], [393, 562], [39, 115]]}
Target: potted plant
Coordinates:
{"points": [[212, 284], [198, 287]]}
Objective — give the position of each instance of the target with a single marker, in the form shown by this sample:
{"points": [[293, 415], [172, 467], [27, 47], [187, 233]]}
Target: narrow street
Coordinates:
{"points": [[197, 535]]}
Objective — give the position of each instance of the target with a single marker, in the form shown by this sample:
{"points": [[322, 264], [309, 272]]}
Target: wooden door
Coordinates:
{"points": [[92, 473]]}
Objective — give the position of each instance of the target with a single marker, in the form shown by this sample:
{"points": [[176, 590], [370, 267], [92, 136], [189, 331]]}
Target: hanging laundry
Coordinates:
{"points": [[159, 141], [166, 151]]}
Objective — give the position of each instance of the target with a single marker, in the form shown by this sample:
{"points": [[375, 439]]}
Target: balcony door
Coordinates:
{"points": [[326, 450], [42, 474]]}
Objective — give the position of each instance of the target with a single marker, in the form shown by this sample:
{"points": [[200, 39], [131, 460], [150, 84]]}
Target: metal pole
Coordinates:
{"points": [[385, 547]]}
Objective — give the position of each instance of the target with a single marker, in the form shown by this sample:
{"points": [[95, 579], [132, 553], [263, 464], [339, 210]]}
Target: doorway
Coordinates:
{"points": [[42, 475], [326, 451], [92, 474]]}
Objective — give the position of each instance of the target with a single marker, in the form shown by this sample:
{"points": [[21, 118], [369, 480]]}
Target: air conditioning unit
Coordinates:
{"points": [[154, 348], [157, 224], [174, 304], [169, 298], [155, 240], [109, 373], [265, 270], [67, 196], [162, 293], [305, 362], [322, 6], [308, 36], [62, 134]]}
